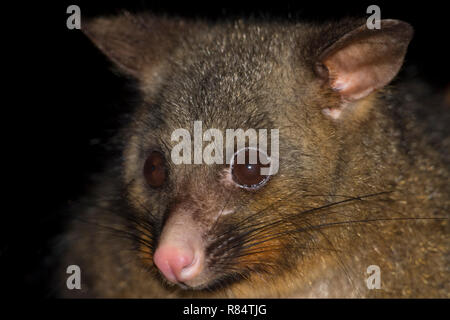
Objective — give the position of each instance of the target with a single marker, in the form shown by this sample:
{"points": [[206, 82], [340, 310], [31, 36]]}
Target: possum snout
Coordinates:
{"points": [[180, 254]]}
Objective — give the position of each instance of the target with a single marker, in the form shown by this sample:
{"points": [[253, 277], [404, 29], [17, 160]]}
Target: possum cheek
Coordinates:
{"points": [[180, 254]]}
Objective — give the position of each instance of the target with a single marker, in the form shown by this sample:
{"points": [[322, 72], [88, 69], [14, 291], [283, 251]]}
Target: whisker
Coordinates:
{"points": [[340, 223]]}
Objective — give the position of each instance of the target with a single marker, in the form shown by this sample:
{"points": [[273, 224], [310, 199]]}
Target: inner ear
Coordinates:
{"points": [[365, 60]]}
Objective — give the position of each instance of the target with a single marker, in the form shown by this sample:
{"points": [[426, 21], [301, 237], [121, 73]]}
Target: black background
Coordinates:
{"points": [[66, 103]]}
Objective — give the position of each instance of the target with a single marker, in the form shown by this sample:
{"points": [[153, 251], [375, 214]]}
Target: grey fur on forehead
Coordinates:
{"points": [[225, 68]]}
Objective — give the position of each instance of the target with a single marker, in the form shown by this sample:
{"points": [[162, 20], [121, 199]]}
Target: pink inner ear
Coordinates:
{"points": [[360, 68]]}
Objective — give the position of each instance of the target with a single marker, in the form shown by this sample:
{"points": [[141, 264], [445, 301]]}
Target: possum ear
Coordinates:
{"points": [[365, 60], [135, 43]]}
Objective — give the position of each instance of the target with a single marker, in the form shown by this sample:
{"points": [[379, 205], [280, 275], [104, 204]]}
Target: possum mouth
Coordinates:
{"points": [[190, 266], [215, 268], [209, 278], [194, 263]]}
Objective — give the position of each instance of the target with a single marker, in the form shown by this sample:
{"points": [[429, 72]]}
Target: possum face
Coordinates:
{"points": [[204, 225]]}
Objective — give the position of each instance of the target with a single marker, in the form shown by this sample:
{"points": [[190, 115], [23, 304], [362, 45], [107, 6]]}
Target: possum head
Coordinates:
{"points": [[202, 226]]}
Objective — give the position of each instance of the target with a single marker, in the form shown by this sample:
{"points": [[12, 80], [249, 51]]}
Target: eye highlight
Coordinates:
{"points": [[155, 170], [248, 175]]}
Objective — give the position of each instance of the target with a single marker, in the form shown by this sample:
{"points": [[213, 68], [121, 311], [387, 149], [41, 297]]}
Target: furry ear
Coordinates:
{"points": [[135, 43], [365, 60]]}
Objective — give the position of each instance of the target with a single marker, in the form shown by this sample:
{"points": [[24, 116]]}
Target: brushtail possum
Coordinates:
{"points": [[362, 188]]}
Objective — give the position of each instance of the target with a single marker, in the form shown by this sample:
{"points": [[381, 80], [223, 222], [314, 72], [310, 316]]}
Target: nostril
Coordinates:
{"points": [[190, 271], [175, 263]]}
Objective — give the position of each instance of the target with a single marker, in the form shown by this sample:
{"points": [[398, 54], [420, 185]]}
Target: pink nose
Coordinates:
{"points": [[177, 264]]}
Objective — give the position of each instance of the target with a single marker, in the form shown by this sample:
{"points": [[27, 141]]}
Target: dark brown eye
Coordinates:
{"points": [[154, 169], [246, 174]]}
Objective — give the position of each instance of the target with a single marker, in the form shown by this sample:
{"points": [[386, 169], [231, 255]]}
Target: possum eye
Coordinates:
{"points": [[247, 174], [154, 169]]}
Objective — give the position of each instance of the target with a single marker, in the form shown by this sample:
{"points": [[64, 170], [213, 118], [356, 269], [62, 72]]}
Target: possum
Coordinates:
{"points": [[361, 192]]}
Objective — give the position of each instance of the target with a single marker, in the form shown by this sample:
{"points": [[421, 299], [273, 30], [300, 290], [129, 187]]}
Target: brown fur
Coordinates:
{"points": [[261, 75]]}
